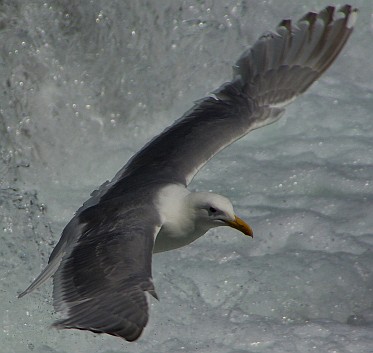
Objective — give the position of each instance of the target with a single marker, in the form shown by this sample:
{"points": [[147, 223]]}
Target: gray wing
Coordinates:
{"points": [[278, 68], [103, 277]]}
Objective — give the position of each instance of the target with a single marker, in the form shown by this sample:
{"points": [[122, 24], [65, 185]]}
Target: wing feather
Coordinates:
{"points": [[101, 283], [272, 73], [280, 66]]}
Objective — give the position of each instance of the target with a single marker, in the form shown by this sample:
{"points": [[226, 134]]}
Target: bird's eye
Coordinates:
{"points": [[212, 209]]}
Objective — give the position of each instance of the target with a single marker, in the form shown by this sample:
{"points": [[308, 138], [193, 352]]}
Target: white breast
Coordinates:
{"points": [[178, 228]]}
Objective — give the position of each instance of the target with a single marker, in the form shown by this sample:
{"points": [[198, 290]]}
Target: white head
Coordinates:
{"points": [[213, 210], [188, 215]]}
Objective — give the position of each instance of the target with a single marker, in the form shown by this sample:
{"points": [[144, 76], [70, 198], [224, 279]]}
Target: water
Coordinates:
{"points": [[85, 86]]}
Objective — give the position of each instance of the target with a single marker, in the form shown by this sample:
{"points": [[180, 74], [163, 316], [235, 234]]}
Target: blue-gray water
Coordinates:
{"points": [[85, 86]]}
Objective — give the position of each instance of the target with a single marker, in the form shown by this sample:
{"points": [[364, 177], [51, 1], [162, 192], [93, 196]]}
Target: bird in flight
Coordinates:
{"points": [[101, 266]]}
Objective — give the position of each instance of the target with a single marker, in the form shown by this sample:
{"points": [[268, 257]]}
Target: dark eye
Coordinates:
{"points": [[212, 209]]}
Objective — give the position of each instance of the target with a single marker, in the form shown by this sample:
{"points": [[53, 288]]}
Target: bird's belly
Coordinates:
{"points": [[166, 240]]}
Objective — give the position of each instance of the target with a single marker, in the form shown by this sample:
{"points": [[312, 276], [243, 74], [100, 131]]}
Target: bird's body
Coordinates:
{"points": [[102, 263]]}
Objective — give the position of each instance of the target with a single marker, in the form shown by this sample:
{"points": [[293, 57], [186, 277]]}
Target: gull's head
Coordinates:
{"points": [[213, 210]]}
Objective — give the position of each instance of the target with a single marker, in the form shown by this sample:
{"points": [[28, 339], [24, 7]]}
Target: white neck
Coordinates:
{"points": [[177, 217], [172, 206]]}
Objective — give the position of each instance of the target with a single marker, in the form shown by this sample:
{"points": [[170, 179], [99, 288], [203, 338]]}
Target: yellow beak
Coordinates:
{"points": [[240, 225]]}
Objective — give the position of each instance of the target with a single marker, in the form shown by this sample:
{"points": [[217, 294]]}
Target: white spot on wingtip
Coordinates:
{"points": [[352, 19]]}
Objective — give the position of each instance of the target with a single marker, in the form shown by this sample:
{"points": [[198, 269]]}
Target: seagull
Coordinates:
{"points": [[102, 265]]}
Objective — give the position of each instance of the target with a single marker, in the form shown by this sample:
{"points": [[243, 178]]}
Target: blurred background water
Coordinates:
{"points": [[85, 84]]}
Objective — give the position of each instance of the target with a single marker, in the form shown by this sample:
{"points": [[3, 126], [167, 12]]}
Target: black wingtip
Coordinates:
{"points": [[21, 295], [328, 15], [285, 23], [350, 14], [154, 294]]}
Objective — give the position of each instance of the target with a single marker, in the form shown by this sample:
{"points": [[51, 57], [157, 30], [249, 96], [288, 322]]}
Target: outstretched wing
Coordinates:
{"points": [[278, 68], [103, 278]]}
